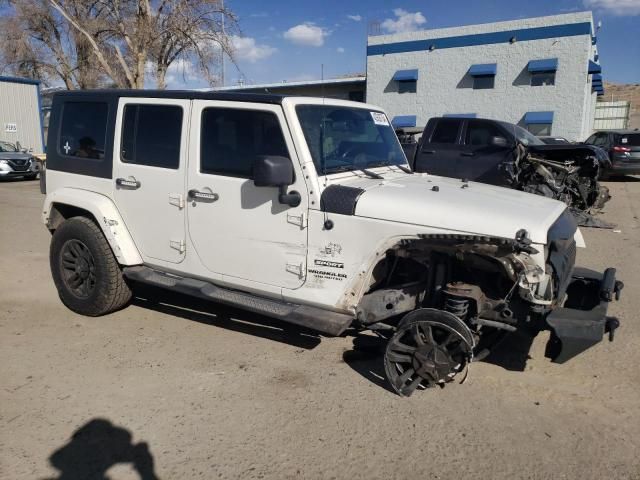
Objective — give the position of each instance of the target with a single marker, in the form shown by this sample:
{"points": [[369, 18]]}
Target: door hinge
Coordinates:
{"points": [[296, 269], [298, 220], [178, 245], [176, 199]]}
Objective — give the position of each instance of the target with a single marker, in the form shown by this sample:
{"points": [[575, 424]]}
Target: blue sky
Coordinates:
{"points": [[290, 39]]}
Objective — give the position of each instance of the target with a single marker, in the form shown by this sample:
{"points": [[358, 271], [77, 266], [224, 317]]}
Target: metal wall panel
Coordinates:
{"points": [[611, 115], [19, 107]]}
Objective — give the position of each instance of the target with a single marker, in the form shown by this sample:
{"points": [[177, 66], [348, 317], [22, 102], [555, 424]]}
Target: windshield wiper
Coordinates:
{"points": [[370, 174], [404, 168], [348, 168]]}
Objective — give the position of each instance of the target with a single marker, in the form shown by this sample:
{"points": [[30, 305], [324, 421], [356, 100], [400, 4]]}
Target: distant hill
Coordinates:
{"points": [[629, 92]]}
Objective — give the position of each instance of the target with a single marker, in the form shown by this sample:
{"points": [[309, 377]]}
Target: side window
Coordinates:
{"points": [[540, 129], [151, 135], [446, 130], [480, 133], [591, 140], [231, 139], [601, 139], [541, 79], [83, 129], [484, 82]]}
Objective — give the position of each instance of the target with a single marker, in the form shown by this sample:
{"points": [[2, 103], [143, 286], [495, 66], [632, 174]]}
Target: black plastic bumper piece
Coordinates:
{"points": [[583, 320]]}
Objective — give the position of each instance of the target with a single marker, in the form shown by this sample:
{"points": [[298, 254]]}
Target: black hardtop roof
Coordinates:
{"points": [[109, 94]]}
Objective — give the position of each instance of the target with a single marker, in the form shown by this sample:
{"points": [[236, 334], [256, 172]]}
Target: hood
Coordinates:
{"points": [[476, 208], [15, 156], [568, 152]]}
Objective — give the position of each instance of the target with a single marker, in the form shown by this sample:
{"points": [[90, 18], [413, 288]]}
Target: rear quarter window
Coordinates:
{"points": [[83, 130], [632, 140]]}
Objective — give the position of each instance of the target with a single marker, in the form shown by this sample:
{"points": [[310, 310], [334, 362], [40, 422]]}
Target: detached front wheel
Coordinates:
{"points": [[84, 269], [430, 347]]}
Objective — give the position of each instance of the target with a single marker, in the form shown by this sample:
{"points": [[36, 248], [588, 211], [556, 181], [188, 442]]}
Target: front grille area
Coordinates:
{"points": [[19, 165], [562, 252], [562, 257]]}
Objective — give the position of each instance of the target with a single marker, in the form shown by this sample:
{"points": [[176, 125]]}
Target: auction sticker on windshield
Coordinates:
{"points": [[379, 118]]}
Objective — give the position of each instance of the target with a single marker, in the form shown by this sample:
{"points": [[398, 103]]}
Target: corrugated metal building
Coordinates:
{"points": [[20, 115]]}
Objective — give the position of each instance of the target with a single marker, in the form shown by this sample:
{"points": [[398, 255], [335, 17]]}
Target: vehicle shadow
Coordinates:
{"points": [[210, 313], [97, 446]]}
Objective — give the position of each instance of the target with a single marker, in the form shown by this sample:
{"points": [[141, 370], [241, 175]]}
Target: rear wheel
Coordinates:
{"points": [[430, 347], [84, 269]]}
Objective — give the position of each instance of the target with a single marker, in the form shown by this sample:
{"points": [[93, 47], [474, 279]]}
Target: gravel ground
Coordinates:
{"points": [[187, 389]]}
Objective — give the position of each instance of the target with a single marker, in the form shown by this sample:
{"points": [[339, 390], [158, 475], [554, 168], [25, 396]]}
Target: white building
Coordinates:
{"points": [[20, 113], [541, 73]]}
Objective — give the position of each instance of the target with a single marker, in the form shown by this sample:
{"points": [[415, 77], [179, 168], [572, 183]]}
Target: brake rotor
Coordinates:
{"points": [[429, 348]]}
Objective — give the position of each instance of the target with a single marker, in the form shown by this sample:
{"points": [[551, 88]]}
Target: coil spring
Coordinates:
{"points": [[458, 306]]}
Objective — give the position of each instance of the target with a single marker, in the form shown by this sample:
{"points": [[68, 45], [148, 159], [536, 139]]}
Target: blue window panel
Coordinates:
{"points": [[532, 118], [594, 67], [597, 77], [483, 69], [601, 94], [596, 84], [547, 65], [406, 76], [594, 40], [404, 121], [596, 57], [460, 115], [524, 34]]}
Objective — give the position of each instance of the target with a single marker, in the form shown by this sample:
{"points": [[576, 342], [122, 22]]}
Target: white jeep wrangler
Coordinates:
{"points": [[304, 209]]}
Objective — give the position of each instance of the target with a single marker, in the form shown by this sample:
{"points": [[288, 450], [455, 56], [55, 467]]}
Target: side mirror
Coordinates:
{"points": [[275, 171], [499, 142]]}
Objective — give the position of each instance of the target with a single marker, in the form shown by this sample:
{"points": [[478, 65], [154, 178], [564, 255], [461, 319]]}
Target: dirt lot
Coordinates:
{"points": [[192, 390]]}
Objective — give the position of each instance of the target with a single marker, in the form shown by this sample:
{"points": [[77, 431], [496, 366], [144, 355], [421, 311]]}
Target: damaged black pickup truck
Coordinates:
{"points": [[500, 153]]}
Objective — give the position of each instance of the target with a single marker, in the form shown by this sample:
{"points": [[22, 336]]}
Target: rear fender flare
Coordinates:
{"points": [[105, 214]]}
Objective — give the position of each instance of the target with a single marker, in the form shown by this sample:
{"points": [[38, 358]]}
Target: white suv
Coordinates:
{"points": [[304, 209]]}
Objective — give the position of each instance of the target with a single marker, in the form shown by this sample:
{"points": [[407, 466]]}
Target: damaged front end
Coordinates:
{"points": [[443, 301], [568, 173]]}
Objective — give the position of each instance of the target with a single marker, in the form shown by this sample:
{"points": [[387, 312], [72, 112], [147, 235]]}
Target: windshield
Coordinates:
{"points": [[347, 138], [522, 135], [7, 147]]}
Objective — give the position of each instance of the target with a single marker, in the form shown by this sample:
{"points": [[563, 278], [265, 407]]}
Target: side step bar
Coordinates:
{"points": [[324, 321]]}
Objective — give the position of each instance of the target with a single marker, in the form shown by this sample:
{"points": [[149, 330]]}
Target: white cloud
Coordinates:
{"points": [[404, 21], [355, 18], [246, 48], [615, 7], [340, 50], [181, 71], [306, 34]]}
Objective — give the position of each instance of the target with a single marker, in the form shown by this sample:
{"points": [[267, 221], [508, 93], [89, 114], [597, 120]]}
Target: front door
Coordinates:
{"points": [[149, 175], [241, 231]]}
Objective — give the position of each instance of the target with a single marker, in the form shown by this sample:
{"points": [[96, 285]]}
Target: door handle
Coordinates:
{"points": [[198, 195], [428, 151], [130, 182], [467, 154]]}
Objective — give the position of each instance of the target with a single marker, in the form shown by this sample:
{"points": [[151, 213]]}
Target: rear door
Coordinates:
{"points": [[480, 160], [439, 152], [149, 174]]}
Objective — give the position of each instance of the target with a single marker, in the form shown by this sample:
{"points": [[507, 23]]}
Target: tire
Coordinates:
{"points": [[84, 269]]}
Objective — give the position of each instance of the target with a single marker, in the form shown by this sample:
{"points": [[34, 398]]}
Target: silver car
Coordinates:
{"points": [[14, 163]]}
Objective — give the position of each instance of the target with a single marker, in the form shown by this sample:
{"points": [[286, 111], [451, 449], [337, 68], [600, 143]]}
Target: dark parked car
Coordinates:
{"points": [[623, 147], [555, 140], [501, 153]]}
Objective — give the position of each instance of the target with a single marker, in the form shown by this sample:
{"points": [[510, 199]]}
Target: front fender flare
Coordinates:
{"points": [[105, 214]]}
